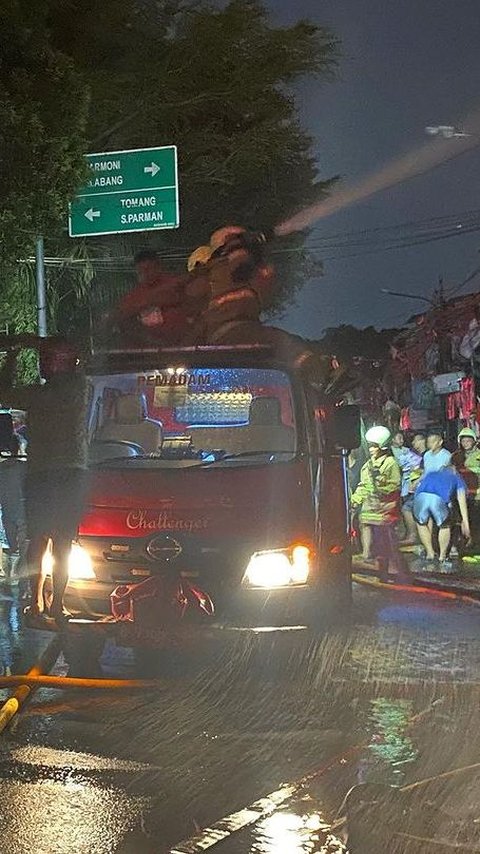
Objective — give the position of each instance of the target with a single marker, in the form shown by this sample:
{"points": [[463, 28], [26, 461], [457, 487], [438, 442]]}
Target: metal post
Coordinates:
{"points": [[346, 489], [41, 290]]}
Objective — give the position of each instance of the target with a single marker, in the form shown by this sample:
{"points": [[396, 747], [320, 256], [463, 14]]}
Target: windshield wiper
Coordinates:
{"points": [[123, 459], [245, 454], [154, 458]]}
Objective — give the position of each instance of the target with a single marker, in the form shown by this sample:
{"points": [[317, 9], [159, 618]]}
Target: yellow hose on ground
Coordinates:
{"points": [[8, 710], [45, 662], [61, 682]]}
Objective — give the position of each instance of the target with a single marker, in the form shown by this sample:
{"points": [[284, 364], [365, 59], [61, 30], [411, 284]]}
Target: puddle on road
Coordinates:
{"points": [[253, 719], [49, 817], [300, 829], [391, 749], [294, 832]]}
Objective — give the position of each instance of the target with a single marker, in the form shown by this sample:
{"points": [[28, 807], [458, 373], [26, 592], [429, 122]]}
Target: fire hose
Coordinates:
{"points": [[45, 681], [23, 692]]}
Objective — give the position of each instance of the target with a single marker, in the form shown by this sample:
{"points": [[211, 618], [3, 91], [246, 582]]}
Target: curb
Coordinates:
{"points": [[439, 591]]}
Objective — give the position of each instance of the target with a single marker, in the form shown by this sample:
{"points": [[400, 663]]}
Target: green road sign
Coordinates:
{"points": [[128, 191]]}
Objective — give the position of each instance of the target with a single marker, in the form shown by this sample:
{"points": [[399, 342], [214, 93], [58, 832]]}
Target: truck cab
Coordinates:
{"points": [[220, 465]]}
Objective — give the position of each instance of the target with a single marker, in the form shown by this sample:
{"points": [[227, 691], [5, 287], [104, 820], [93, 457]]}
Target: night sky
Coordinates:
{"points": [[405, 65]]}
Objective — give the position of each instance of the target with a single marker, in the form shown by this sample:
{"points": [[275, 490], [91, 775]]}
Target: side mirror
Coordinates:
{"points": [[346, 427]]}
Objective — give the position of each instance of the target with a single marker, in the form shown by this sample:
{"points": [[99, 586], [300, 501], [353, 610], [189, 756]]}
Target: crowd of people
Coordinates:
{"points": [[412, 490]]}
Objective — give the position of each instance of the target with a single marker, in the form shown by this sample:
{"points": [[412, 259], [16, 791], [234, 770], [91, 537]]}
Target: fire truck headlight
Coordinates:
{"points": [[278, 568], [79, 563]]}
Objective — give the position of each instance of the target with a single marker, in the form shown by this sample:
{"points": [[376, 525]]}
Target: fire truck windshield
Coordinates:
{"points": [[202, 415]]}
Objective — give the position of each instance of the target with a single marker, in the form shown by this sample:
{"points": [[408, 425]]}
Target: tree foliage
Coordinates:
{"points": [[214, 81], [348, 342], [43, 116]]}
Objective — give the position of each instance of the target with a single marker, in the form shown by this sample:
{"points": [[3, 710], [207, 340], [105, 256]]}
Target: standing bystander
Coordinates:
{"points": [[409, 461], [419, 444], [12, 500], [57, 460], [436, 457], [433, 504]]}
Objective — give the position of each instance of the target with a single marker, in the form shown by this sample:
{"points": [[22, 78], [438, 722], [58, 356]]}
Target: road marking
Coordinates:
{"points": [[235, 821], [265, 807]]}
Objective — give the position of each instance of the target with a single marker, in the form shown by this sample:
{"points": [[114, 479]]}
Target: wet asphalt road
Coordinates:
{"points": [[396, 696]]}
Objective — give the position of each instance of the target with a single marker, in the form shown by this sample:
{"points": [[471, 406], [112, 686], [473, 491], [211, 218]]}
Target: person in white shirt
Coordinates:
{"points": [[436, 457]]}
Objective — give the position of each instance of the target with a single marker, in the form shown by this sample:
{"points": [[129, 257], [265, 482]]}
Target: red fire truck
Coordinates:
{"points": [[221, 467]]}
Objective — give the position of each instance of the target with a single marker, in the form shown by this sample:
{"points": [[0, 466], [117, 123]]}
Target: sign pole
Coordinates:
{"points": [[41, 290]]}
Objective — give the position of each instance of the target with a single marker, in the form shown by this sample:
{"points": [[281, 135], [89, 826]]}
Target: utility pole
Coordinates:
{"points": [[41, 290]]}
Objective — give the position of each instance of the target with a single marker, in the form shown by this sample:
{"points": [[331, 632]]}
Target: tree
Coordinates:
{"points": [[43, 116], [216, 82], [348, 342]]}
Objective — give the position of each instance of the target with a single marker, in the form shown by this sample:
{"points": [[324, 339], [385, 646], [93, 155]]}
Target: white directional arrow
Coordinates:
{"points": [[91, 214], [153, 169]]}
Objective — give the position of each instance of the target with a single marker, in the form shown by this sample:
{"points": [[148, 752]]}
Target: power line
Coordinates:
{"points": [[465, 282], [406, 244], [362, 242]]}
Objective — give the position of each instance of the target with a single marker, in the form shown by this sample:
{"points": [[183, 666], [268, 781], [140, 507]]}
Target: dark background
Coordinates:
{"points": [[405, 65]]}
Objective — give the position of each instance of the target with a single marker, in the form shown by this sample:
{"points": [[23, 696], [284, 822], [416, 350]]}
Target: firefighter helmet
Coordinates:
{"points": [[378, 436], [198, 258], [467, 433]]}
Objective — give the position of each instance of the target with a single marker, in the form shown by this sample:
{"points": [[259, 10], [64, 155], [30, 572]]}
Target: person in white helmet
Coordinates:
{"points": [[377, 496]]}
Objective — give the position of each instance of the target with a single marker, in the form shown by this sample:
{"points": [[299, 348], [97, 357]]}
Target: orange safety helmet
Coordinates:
{"points": [[199, 257]]}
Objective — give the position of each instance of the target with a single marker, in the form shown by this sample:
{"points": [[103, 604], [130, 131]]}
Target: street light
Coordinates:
{"points": [[447, 131]]}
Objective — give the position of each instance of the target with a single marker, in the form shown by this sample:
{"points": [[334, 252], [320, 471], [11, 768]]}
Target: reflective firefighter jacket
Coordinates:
{"points": [[468, 465], [378, 493]]}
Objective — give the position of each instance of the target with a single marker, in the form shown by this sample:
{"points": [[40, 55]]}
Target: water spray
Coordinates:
{"points": [[403, 168], [417, 162]]}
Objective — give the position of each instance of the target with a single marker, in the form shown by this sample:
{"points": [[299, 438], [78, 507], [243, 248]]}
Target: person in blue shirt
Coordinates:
{"points": [[436, 457], [433, 504]]}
